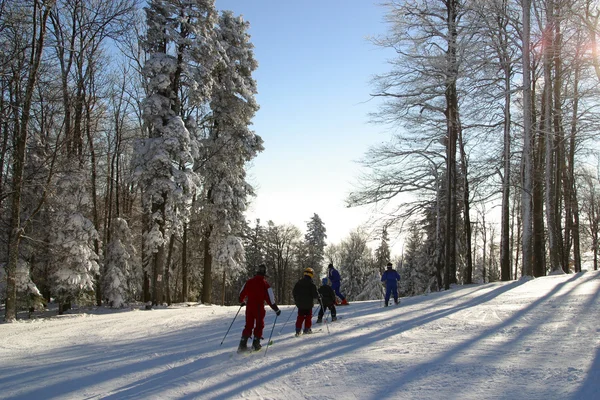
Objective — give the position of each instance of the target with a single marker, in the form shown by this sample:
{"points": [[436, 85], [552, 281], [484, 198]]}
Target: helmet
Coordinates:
{"points": [[309, 272]]}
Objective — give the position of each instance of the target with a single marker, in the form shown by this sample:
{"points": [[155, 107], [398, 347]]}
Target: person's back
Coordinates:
{"points": [[304, 293], [336, 279], [256, 291], [327, 293], [391, 277], [253, 295]]}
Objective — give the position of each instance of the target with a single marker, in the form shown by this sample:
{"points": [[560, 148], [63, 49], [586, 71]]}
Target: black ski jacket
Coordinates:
{"points": [[304, 293], [327, 295]]}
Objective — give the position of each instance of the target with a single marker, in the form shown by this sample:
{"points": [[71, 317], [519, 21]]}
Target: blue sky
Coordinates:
{"points": [[315, 66]]}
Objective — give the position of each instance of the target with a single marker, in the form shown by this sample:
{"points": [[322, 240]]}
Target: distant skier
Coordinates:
{"points": [[253, 295], [327, 301], [391, 278], [305, 292], [335, 279]]}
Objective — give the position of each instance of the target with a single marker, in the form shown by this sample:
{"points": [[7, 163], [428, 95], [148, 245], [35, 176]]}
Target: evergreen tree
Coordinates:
{"points": [[180, 45], [74, 262], [382, 254], [230, 145], [118, 264], [356, 264], [372, 289], [315, 243]]}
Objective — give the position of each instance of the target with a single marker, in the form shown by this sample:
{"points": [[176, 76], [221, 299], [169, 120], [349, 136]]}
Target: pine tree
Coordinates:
{"points": [[180, 43], [118, 264], [356, 264], [230, 145], [74, 262], [382, 254], [315, 243]]}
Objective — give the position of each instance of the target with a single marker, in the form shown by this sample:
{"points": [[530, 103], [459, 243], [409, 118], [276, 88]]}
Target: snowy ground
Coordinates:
{"points": [[537, 339]]}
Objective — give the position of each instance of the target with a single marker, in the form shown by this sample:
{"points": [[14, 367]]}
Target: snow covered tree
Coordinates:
{"points": [[230, 145], [119, 254], [29, 295], [382, 253], [356, 264], [372, 288], [180, 45], [417, 274], [315, 243], [73, 262], [24, 58], [254, 245]]}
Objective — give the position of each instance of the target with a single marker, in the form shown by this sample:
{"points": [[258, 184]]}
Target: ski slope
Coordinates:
{"points": [[528, 339]]}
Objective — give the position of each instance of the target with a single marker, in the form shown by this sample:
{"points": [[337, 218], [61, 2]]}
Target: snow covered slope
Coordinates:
{"points": [[536, 339]]}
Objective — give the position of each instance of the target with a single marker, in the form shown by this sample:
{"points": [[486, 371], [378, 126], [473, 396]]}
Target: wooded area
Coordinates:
{"points": [[126, 135]]}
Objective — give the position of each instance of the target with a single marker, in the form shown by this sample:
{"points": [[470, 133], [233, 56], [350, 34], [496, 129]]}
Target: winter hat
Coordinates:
{"points": [[330, 266], [324, 281], [309, 272], [389, 265], [262, 270]]}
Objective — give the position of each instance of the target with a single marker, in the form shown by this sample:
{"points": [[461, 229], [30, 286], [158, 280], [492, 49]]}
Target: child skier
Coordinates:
{"points": [[253, 295], [327, 301], [304, 294], [391, 278]]}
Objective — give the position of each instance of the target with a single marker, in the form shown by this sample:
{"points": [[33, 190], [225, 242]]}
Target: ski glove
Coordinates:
{"points": [[276, 309], [242, 304]]}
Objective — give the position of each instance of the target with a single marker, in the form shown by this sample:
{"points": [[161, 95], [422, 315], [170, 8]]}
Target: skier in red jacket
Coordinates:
{"points": [[253, 295]]}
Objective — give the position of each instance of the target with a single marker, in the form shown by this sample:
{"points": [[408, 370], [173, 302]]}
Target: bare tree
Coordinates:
{"points": [[40, 12]]}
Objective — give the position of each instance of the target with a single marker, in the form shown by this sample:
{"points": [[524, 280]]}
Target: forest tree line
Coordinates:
{"points": [[126, 134]]}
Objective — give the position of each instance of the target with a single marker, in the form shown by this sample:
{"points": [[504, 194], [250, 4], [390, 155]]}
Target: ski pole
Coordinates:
{"points": [[326, 323], [231, 324], [324, 312], [271, 335], [287, 320]]}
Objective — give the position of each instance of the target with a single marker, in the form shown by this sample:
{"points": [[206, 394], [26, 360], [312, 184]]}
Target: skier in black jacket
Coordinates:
{"points": [[327, 301], [305, 292]]}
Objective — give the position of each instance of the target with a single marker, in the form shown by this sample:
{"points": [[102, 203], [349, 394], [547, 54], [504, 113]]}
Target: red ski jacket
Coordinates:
{"points": [[256, 291]]}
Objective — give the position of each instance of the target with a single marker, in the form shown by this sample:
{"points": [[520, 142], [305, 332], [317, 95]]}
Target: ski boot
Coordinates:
{"points": [[297, 333], [307, 331], [333, 319], [243, 345], [320, 320], [256, 344], [345, 303]]}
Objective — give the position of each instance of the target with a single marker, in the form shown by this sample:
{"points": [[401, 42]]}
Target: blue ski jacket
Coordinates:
{"points": [[391, 278]]}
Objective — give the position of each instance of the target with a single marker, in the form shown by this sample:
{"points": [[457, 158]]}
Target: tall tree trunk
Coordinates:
{"points": [[158, 258], [505, 253], [573, 198], [527, 186], [539, 234], [551, 185], [21, 131], [467, 213], [207, 278], [453, 126], [184, 265], [168, 269]]}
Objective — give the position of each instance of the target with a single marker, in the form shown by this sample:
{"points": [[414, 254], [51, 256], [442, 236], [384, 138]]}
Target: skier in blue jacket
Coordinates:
{"points": [[335, 279], [391, 278]]}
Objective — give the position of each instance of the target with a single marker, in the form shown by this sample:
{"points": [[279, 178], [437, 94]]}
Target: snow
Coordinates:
{"points": [[527, 339]]}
